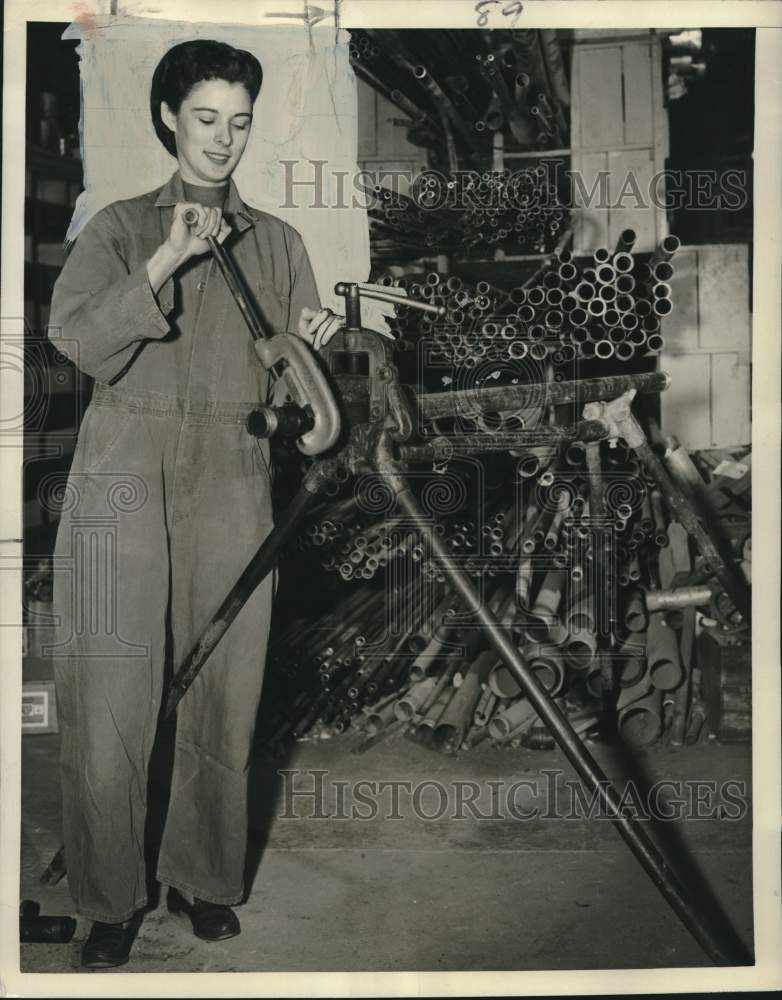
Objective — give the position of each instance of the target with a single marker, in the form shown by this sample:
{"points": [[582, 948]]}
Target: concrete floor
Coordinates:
{"points": [[417, 894]]}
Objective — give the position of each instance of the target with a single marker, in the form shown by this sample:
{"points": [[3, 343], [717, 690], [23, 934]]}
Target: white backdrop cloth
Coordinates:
{"points": [[306, 112]]}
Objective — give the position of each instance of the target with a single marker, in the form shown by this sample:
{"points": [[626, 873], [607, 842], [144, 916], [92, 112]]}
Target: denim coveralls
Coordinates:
{"points": [[167, 499]]}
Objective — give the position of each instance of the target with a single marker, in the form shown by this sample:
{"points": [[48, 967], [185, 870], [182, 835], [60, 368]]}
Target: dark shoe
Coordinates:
{"points": [[211, 921], [108, 945]]}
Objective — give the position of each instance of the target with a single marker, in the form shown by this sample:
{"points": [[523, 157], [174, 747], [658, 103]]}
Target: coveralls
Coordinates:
{"points": [[167, 499]]}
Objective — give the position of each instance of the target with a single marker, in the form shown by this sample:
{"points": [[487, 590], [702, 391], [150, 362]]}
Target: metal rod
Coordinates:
{"points": [[432, 406], [368, 292], [232, 278]]}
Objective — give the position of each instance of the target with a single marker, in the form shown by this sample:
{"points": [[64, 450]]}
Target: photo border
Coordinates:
{"points": [[767, 294]]}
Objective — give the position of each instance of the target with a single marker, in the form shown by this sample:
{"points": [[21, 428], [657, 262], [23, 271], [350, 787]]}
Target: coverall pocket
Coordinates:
{"points": [[99, 434]]}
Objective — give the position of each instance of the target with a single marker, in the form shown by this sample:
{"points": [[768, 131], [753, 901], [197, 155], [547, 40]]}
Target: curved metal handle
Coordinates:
{"points": [[307, 385]]}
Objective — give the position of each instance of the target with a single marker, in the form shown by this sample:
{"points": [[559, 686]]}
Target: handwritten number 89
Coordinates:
{"points": [[513, 10]]}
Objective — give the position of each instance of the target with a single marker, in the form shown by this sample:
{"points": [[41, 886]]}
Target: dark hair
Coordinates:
{"points": [[187, 64]]}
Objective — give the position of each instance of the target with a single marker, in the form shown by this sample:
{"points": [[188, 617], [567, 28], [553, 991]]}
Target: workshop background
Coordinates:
{"points": [[547, 284]]}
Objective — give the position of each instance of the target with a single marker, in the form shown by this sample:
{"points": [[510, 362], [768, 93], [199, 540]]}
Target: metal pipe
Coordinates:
{"points": [[604, 349], [543, 615], [427, 723], [413, 111], [632, 671], [445, 106], [547, 663], [635, 617], [379, 719], [523, 582], [579, 616], [511, 719], [433, 406], [666, 249], [640, 723], [457, 717], [520, 129], [681, 698], [626, 241], [445, 678], [407, 706], [551, 51], [735, 585], [662, 650], [679, 597], [485, 707], [426, 658], [581, 650], [596, 307]]}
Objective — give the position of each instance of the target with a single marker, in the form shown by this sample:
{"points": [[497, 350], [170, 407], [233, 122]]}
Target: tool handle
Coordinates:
{"points": [[285, 357], [233, 279], [343, 288]]}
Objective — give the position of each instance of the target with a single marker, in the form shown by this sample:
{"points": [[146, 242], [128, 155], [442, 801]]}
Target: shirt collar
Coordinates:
{"points": [[242, 215]]}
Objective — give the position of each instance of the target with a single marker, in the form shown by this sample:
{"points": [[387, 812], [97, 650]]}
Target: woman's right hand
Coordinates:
{"points": [[186, 241]]}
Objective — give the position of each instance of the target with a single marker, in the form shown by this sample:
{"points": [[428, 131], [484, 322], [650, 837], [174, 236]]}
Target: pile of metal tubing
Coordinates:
{"points": [[471, 214], [456, 89], [581, 596], [609, 306]]}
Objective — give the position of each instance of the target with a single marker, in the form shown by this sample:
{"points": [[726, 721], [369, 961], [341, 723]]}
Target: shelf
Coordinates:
{"points": [[41, 161], [48, 220], [534, 154]]}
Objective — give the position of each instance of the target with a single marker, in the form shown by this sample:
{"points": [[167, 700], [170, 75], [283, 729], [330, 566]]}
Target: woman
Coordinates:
{"points": [[168, 497]]}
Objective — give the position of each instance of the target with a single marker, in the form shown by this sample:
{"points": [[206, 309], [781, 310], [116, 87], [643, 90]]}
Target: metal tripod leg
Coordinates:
{"points": [[720, 950]]}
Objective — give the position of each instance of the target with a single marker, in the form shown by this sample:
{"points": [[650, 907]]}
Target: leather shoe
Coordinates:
{"points": [[108, 945], [211, 921]]}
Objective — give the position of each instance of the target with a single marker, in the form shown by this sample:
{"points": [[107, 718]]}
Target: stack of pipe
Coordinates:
{"points": [[471, 214], [521, 103], [454, 90], [429, 670], [610, 306], [579, 594]]}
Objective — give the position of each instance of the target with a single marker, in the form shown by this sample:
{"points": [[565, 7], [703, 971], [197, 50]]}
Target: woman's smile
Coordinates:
{"points": [[211, 130]]}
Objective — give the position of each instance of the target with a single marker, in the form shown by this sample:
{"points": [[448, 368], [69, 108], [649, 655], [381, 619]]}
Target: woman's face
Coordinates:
{"points": [[211, 129]]}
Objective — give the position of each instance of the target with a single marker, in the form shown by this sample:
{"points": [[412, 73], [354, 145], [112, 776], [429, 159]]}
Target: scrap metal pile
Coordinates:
{"points": [[603, 606], [608, 306]]}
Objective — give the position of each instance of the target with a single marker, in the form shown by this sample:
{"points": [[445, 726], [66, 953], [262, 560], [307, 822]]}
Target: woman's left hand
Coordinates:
{"points": [[318, 327]]}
